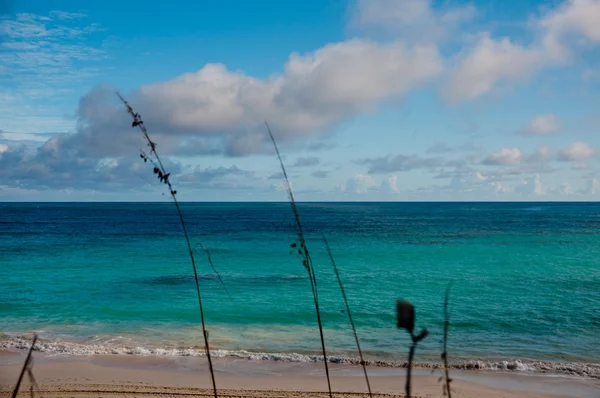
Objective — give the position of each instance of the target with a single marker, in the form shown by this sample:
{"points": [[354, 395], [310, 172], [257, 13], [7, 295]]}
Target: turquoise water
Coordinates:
{"points": [[115, 278]]}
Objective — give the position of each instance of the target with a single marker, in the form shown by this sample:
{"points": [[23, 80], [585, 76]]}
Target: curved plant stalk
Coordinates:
{"points": [[303, 251], [405, 313], [445, 353], [163, 176], [337, 274]]}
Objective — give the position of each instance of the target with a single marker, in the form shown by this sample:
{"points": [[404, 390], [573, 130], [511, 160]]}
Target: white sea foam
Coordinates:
{"points": [[59, 347]]}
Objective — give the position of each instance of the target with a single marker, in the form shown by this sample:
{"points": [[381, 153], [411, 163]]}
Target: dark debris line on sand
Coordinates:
{"points": [[69, 390]]}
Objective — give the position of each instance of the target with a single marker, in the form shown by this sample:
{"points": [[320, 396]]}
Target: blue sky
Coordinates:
{"points": [[368, 99]]}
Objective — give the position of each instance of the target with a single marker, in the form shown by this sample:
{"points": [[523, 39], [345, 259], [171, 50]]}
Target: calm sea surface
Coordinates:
{"points": [[113, 278]]}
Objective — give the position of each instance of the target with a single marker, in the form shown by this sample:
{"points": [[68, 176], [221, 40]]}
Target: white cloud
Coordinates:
{"points": [[3, 148], [531, 187], [504, 156], [476, 183], [573, 17], [541, 154], [360, 183], [488, 64], [576, 151], [410, 19], [492, 63], [390, 185], [542, 125], [315, 90], [498, 187], [593, 187], [565, 189]]}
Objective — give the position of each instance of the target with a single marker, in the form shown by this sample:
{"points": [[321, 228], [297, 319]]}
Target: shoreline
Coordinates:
{"points": [[130, 375], [57, 348]]}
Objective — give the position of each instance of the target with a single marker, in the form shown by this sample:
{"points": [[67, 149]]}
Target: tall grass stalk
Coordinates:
{"points": [[163, 176], [303, 251], [349, 313], [445, 352]]}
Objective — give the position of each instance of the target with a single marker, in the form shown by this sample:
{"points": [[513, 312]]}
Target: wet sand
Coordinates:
{"points": [[94, 376]]}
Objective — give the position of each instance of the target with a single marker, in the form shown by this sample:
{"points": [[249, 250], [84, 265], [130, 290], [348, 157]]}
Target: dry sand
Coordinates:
{"points": [[153, 376]]}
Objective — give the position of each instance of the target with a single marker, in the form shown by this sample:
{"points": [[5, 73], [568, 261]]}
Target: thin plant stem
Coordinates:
{"points": [[303, 250], [137, 121], [415, 339], [445, 353], [411, 355], [212, 265], [25, 367], [337, 274]]}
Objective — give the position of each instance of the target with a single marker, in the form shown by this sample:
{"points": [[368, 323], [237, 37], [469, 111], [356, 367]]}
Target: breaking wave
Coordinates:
{"points": [[7, 342]]}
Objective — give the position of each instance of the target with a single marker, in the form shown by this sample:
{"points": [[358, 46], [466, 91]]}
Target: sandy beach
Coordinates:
{"points": [[62, 376]]}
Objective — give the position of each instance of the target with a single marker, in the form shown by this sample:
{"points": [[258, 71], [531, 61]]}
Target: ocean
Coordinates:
{"points": [[115, 278]]}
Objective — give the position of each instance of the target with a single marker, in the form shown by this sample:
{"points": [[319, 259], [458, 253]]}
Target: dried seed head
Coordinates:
{"points": [[405, 312]]}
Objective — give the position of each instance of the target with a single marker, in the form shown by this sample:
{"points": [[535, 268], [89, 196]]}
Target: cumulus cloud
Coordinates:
{"points": [[572, 18], [565, 189], [541, 154], [46, 169], [390, 164], [360, 183], [469, 181], [413, 19], [314, 91], [531, 186], [217, 111], [389, 185], [62, 164], [466, 180], [593, 187], [504, 156], [492, 63], [213, 111], [542, 125], [576, 151], [488, 64]]}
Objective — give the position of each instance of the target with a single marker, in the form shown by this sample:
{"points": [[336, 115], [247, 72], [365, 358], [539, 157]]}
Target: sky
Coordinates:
{"points": [[369, 100]]}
